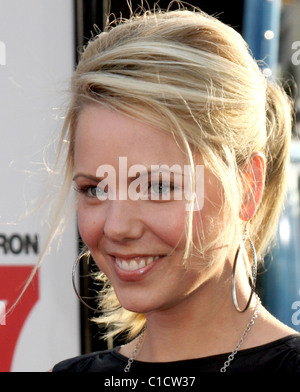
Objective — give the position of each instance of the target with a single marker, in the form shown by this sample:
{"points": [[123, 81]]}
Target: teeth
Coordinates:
{"points": [[135, 264]]}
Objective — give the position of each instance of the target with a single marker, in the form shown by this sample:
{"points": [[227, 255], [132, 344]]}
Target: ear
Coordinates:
{"points": [[253, 186]]}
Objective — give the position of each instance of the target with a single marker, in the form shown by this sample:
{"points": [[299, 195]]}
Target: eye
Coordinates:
{"points": [[160, 188], [92, 191]]}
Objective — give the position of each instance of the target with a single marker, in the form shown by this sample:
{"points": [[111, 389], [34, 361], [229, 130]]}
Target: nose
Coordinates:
{"points": [[122, 221]]}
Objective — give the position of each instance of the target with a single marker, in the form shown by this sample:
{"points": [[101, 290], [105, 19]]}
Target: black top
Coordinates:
{"points": [[282, 355]]}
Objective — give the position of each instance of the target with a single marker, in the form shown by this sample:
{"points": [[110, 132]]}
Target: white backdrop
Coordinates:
{"points": [[36, 62]]}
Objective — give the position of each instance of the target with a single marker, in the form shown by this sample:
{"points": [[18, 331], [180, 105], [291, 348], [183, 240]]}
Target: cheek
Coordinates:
{"points": [[90, 227], [169, 224], [210, 219]]}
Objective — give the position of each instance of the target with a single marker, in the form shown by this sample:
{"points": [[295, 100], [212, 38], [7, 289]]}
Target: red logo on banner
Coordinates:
{"points": [[12, 282]]}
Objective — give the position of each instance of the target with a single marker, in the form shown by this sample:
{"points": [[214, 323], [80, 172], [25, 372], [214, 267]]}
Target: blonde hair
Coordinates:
{"points": [[189, 74]]}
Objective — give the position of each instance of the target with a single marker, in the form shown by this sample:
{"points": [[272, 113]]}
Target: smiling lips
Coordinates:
{"points": [[135, 263]]}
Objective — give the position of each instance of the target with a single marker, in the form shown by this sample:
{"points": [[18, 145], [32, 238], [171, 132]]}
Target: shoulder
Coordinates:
{"points": [[282, 355], [291, 346], [100, 361], [279, 343], [270, 329]]}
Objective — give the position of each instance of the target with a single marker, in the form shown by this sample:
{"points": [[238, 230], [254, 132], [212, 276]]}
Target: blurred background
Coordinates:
{"points": [[39, 45]]}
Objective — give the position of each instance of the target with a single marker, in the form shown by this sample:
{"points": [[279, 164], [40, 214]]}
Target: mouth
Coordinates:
{"points": [[134, 267], [135, 263]]}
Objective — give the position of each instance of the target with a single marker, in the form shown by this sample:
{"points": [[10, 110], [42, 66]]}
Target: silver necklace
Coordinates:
{"points": [[136, 349], [245, 333], [230, 356]]}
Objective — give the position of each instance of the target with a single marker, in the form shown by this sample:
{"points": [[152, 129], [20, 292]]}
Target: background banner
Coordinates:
{"points": [[36, 62]]}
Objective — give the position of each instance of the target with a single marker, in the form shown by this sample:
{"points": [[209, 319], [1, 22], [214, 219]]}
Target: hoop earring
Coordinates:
{"points": [[253, 278], [75, 265]]}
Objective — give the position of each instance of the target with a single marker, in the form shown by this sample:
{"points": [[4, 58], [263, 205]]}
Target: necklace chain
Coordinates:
{"points": [[245, 333], [230, 356], [136, 349]]}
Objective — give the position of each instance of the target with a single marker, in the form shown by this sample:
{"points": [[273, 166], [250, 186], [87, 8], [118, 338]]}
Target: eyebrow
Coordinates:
{"points": [[131, 178], [89, 177], [98, 179]]}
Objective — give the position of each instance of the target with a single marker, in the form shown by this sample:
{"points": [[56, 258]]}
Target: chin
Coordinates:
{"points": [[138, 306]]}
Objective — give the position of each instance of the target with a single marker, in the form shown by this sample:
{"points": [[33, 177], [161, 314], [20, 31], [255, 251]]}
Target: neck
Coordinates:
{"points": [[201, 325]]}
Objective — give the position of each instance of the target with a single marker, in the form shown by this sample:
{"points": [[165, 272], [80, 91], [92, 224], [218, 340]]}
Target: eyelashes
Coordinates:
{"points": [[88, 190], [154, 189], [161, 187]]}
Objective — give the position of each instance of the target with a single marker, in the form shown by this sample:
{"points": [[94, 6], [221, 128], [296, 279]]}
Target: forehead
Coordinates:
{"points": [[103, 135]]}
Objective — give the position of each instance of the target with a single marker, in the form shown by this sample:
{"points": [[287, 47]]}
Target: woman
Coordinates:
{"points": [[178, 148]]}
